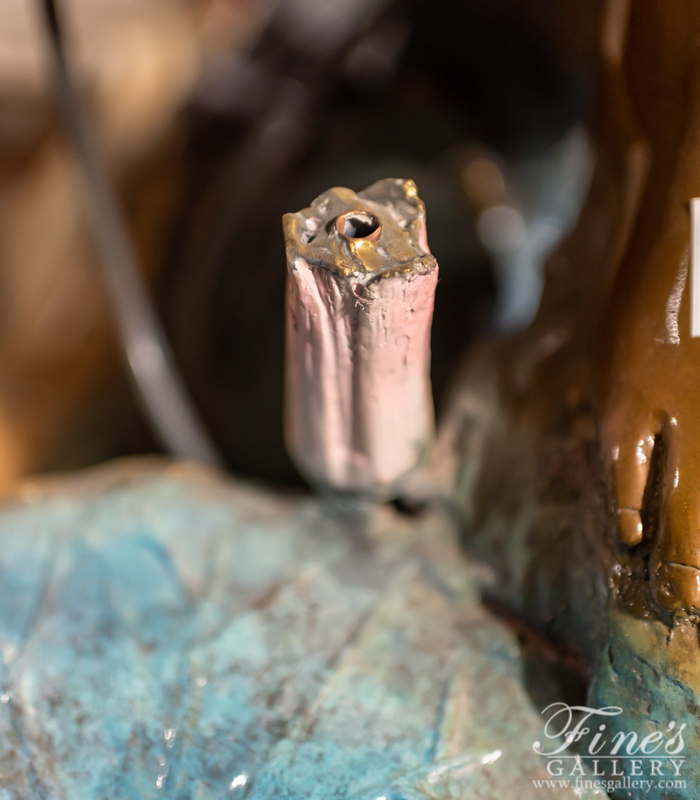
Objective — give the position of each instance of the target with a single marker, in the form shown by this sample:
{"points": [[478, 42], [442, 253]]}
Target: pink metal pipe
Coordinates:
{"points": [[360, 291]]}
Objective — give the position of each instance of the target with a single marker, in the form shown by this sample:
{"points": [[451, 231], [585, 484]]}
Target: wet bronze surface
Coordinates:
{"points": [[575, 447], [588, 421], [650, 370]]}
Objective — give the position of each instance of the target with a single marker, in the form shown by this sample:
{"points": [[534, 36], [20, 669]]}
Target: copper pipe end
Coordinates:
{"points": [[360, 293], [357, 224]]}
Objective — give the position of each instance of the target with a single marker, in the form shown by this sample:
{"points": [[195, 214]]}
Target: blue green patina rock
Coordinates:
{"points": [[166, 633], [652, 673]]}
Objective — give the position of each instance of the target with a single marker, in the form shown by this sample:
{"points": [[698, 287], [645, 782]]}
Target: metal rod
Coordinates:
{"points": [[159, 386]]}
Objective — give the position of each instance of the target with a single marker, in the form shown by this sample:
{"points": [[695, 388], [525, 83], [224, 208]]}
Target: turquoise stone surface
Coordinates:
{"points": [[168, 633]]}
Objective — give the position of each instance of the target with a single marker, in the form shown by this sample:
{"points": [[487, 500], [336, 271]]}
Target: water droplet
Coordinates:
{"points": [[239, 780]]}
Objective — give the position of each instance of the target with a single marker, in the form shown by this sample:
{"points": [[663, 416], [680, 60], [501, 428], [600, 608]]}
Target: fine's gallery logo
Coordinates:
{"points": [[585, 749]]}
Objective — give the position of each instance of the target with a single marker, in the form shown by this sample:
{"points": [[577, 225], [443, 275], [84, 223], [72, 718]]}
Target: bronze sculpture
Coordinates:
{"points": [[578, 466]]}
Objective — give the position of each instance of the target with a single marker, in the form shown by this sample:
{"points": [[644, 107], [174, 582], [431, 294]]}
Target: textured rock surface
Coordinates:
{"points": [[529, 487], [168, 634], [653, 674]]}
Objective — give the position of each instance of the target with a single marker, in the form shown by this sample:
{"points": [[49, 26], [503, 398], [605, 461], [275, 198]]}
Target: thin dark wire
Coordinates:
{"points": [[158, 383]]}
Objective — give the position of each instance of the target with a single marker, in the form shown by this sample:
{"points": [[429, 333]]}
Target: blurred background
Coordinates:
{"points": [[214, 117]]}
